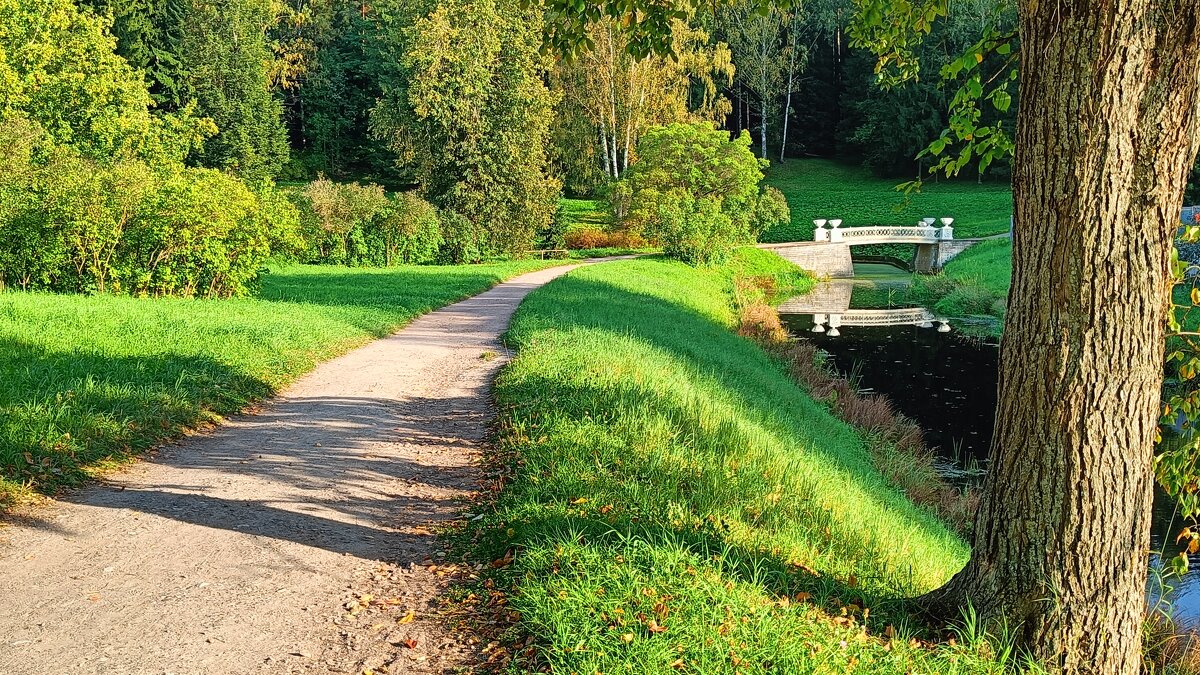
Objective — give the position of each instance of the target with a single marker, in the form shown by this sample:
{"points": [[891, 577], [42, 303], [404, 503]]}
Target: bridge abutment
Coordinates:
{"points": [[821, 258]]}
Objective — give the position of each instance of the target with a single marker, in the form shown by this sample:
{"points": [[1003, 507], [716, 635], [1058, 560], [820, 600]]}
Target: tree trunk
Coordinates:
{"points": [[762, 128], [1104, 145]]}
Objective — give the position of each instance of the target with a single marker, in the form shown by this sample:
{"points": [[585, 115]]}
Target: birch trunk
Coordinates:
{"points": [[1104, 145]]}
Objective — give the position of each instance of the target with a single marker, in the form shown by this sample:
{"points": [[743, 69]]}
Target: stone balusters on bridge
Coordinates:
{"points": [[923, 232]]}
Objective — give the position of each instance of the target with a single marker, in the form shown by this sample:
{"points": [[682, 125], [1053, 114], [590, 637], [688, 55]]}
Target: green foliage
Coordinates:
{"points": [[677, 503], [410, 230], [771, 211], [471, 117], [79, 224], [696, 191], [86, 382], [462, 240], [225, 47], [359, 225], [58, 70], [818, 188]]}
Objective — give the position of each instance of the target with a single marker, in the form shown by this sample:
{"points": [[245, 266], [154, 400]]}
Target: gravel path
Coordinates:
{"points": [[296, 539]]}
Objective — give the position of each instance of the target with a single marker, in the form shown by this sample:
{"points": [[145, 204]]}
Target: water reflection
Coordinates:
{"points": [[947, 383]]}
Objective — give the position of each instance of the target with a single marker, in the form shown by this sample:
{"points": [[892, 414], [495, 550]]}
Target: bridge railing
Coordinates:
{"points": [[924, 232]]}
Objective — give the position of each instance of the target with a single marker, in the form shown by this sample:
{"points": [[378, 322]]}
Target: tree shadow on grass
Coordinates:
{"points": [[67, 412]]}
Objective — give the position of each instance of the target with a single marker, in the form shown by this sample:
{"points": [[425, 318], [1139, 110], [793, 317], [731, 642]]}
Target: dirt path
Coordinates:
{"points": [[249, 549]]}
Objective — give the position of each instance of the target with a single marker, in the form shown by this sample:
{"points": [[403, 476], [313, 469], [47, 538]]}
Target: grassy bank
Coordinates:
{"points": [[673, 502], [974, 284], [87, 382], [817, 188]]}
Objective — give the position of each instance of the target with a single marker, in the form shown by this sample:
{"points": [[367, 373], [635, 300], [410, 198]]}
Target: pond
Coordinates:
{"points": [[946, 382]]}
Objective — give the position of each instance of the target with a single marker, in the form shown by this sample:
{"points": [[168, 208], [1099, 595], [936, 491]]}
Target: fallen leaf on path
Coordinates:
{"points": [[411, 643], [407, 618]]}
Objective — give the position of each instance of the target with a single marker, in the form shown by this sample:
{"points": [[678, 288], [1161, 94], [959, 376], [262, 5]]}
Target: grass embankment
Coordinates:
{"points": [[673, 502], [818, 188], [87, 382]]}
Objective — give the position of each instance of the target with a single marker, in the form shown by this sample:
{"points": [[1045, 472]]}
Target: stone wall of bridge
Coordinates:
{"points": [[822, 259]]}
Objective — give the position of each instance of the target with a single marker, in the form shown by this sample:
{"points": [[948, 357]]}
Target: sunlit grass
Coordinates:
{"points": [[680, 505], [819, 188], [87, 382]]}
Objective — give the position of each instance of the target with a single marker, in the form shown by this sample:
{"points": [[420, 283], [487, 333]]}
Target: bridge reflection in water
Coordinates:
{"points": [[829, 305]]}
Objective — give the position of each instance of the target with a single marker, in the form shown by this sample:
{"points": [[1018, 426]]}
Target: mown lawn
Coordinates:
{"points": [[818, 188], [88, 382], [677, 504]]}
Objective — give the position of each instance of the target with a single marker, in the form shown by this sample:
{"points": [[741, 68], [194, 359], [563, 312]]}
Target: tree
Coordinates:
{"points": [[225, 47], [610, 98], [58, 70], [756, 40], [471, 118], [696, 190], [1106, 137]]}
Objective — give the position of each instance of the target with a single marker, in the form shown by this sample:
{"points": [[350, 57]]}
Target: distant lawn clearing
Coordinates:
{"points": [[88, 382], [679, 505], [818, 188]]}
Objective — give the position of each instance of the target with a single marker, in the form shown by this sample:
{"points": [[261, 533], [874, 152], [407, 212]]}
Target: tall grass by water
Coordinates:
{"points": [[88, 382], [670, 501], [819, 188]]}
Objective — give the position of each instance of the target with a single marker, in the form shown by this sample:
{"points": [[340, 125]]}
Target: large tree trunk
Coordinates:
{"points": [[1104, 144]]}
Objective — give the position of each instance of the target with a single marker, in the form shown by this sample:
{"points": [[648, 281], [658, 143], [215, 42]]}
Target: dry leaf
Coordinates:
{"points": [[407, 618]]}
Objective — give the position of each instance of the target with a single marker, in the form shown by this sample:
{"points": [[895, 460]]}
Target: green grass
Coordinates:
{"points": [[88, 382], [974, 284], [585, 212], [672, 491], [818, 188]]}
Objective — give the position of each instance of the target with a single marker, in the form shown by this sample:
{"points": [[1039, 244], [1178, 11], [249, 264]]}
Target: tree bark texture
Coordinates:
{"points": [[1104, 144]]}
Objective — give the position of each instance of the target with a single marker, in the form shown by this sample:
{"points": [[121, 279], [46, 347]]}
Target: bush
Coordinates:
{"points": [[338, 216], [697, 191], [462, 240], [593, 237], [360, 226], [73, 223], [201, 233], [409, 230]]}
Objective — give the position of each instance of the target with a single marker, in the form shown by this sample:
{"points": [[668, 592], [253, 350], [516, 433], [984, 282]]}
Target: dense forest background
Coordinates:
{"points": [[319, 86]]}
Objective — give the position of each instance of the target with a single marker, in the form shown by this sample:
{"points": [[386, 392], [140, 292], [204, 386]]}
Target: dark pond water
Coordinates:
{"points": [[947, 383]]}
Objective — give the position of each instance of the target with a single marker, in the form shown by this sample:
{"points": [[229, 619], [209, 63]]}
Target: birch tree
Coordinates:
{"points": [[619, 96], [756, 40]]}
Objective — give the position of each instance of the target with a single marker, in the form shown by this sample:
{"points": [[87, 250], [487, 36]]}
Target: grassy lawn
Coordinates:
{"points": [[818, 188], [585, 212], [88, 382], [677, 504]]}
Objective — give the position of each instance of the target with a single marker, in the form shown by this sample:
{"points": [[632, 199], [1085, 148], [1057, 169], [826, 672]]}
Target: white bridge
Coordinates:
{"points": [[922, 233], [829, 253]]}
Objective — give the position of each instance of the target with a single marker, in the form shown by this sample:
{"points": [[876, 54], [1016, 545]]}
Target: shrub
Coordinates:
{"points": [[462, 240], [340, 212], [697, 191], [771, 211], [593, 237], [409, 230], [201, 233], [586, 237]]}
